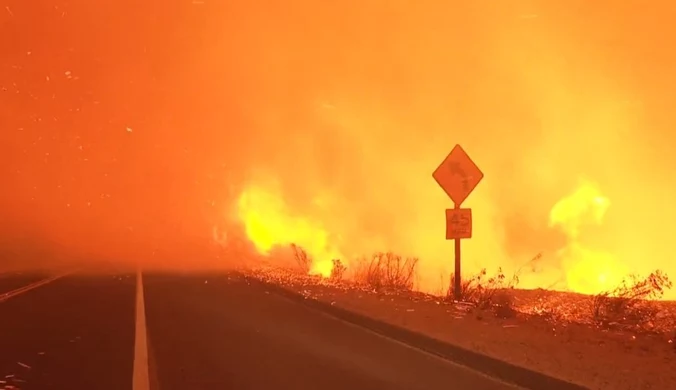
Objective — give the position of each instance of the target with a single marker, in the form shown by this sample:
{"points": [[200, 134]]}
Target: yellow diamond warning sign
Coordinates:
{"points": [[458, 175]]}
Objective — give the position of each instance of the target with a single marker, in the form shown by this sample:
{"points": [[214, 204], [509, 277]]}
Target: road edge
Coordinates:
{"points": [[4, 296], [487, 365]]}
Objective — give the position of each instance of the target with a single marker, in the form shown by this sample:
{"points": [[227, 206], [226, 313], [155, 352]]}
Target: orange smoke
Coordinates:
{"points": [[352, 112]]}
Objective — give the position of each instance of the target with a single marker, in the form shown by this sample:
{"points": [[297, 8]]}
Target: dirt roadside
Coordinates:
{"points": [[579, 353]]}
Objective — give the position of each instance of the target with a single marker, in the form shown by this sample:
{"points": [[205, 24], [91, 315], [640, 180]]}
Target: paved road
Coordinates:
{"points": [[204, 332], [74, 333], [10, 281]]}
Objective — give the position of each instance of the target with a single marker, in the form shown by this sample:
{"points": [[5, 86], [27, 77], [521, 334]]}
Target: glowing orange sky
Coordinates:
{"points": [[355, 101]]}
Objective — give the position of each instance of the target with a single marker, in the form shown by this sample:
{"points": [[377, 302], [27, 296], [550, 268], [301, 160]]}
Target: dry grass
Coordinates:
{"points": [[491, 292], [382, 271], [338, 271], [303, 261], [387, 271], [481, 289], [488, 292], [359, 269], [632, 303]]}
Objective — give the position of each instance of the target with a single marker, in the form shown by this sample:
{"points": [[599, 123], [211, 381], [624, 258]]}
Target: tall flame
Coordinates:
{"points": [[268, 224], [588, 270]]}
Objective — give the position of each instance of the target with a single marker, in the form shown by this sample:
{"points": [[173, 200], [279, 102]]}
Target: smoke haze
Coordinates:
{"points": [[130, 130]]}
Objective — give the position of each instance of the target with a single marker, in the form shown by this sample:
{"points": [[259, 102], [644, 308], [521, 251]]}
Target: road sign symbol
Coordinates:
{"points": [[458, 175], [458, 223]]}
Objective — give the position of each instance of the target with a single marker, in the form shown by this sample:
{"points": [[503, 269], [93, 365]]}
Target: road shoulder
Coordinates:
{"points": [[501, 370]]}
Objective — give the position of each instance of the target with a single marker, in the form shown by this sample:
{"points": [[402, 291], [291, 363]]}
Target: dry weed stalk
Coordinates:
{"points": [[387, 271], [481, 289], [383, 271], [303, 261], [632, 302], [338, 270]]}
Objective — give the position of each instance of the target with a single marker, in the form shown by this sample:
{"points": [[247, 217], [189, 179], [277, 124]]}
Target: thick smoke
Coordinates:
{"points": [[167, 115]]}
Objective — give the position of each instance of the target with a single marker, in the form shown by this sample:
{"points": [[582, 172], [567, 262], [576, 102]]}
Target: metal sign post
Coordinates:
{"points": [[457, 175]]}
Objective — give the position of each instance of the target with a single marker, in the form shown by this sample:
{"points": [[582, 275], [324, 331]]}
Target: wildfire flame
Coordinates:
{"points": [[587, 270], [269, 223]]}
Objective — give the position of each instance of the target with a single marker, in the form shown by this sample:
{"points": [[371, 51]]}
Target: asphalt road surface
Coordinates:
{"points": [[11, 281], [203, 332]]}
